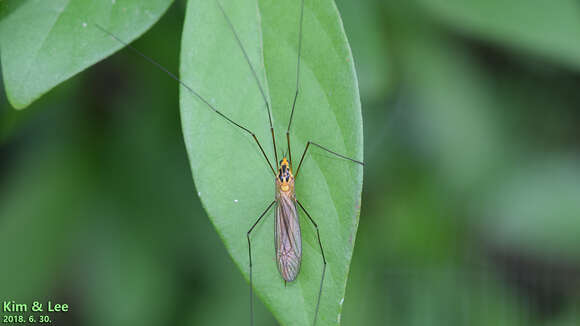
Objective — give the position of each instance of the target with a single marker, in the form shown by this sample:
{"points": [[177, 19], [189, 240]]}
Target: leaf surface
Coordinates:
{"points": [[234, 182], [43, 43]]}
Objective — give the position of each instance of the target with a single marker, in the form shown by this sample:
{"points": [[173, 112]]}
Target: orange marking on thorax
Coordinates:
{"points": [[285, 179]]}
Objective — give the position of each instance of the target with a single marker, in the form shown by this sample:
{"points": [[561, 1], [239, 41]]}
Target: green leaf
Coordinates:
{"points": [[538, 26], [43, 43], [234, 182]]}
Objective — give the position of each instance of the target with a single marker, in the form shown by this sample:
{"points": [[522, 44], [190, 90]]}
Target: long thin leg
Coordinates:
{"points": [[326, 149], [297, 81], [323, 261], [250, 256], [289, 150], [297, 68], [231, 25], [173, 76]]}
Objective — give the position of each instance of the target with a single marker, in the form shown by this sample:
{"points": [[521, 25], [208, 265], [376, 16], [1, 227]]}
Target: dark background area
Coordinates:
{"points": [[471, 200]]}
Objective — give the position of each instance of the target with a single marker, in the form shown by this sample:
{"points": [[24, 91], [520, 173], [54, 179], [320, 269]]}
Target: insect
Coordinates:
{"points": [[287, 207]]}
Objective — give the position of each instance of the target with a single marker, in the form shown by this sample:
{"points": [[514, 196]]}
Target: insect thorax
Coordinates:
{"points": [[284, 179]]}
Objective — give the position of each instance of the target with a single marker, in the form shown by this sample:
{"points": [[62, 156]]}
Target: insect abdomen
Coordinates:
{"points": [[288, 240], [289, 265]]}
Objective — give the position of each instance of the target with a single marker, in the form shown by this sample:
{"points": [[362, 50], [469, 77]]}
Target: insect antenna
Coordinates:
{"points": [[191, 90], [231, 25]]}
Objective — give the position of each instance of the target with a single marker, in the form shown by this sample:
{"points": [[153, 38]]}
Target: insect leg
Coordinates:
{"points": [[231, 25], [297, 80], [289, 151], [174, 77], [297, 65], [323, 260], [250, 256], [326, 149]]}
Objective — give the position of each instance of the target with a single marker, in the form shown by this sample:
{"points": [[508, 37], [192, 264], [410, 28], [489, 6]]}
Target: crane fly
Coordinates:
{"points": [[287, 238], [287, 234]]}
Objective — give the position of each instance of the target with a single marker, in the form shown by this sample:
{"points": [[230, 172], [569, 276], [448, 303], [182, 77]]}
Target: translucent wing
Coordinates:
{"points": [[287, 238]]}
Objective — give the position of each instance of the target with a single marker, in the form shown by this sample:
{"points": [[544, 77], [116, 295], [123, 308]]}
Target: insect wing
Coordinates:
{"points": [[287, 238]]}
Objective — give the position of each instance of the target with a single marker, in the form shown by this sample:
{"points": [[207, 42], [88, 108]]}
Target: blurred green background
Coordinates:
{"points": [[471, 200]]}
